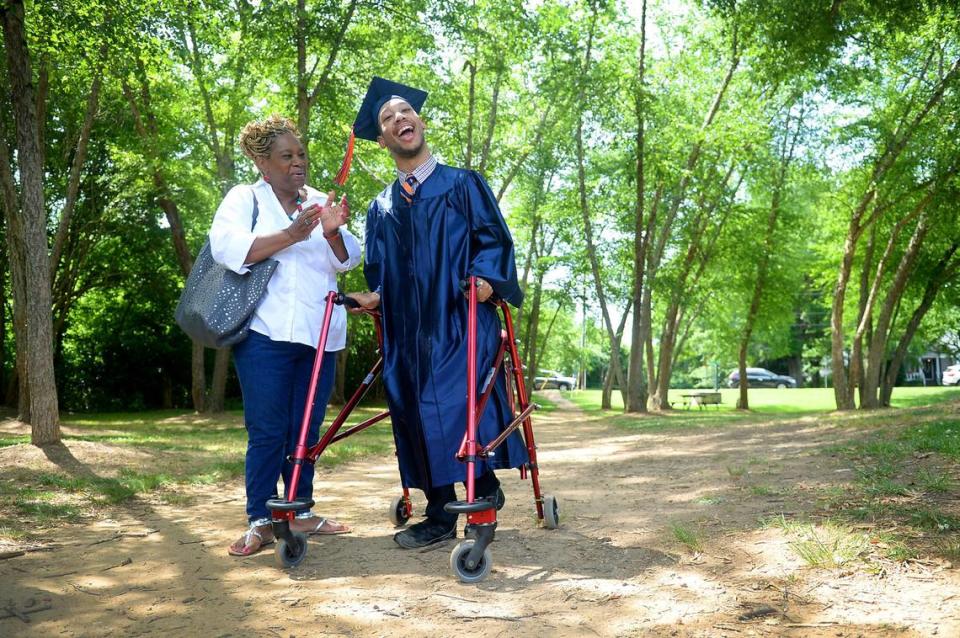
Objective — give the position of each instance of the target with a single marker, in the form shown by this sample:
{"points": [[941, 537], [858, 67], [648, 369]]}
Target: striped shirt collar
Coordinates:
{"points": [[421, 172]]}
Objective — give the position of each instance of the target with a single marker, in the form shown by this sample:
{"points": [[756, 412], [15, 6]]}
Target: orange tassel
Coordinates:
{"points": [[344, 171]]}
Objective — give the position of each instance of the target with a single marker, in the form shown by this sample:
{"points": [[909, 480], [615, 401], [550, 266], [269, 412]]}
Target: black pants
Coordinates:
{"points": [[485, 485]]}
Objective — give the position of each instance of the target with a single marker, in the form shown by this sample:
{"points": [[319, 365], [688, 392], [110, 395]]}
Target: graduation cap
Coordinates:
{"points": [[367, 125]]}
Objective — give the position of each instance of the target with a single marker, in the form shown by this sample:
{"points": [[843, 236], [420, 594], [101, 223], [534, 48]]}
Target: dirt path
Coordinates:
{"points": [[613, 568]]}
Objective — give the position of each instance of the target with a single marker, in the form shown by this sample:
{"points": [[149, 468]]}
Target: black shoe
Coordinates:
{"points": [[424, 533]]}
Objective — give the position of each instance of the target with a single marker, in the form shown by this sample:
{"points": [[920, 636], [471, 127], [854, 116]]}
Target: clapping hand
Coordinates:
{"points": [[333, 216]]}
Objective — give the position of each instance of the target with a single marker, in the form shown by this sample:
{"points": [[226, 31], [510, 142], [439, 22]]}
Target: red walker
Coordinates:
{"points": [[471, 559]]}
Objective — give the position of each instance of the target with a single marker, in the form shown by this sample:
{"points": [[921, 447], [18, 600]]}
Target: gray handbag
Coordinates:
{"points": [[217, 305]]}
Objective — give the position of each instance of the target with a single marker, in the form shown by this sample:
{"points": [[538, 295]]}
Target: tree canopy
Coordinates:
{"points": [[689, 183]]}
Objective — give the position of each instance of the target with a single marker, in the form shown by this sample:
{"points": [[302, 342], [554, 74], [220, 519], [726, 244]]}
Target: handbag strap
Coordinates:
{"points": [[256, 210]]}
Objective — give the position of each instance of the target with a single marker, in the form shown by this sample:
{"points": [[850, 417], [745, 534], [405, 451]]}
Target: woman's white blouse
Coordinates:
{"points": [[293, 306]]}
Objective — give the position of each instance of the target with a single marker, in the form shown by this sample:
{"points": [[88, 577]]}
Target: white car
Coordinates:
{"points": [[951, 376]]}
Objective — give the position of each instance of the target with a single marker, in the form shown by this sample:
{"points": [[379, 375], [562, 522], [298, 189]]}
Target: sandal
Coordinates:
{"points": [[248, 548], [325, 526]]}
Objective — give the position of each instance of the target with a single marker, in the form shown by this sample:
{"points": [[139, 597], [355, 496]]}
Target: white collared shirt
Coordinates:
{"points": [[421, 172], [293, 306]]}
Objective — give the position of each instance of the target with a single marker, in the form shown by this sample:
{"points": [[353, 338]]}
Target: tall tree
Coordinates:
{"points": [[26, 222]]}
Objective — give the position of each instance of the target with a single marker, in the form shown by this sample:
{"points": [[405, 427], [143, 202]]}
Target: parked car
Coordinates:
{"points": [[761, 378], [551, 379], [951, 376]]}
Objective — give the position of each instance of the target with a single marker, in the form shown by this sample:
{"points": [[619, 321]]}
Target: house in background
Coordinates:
{"points": [[928, 368]]}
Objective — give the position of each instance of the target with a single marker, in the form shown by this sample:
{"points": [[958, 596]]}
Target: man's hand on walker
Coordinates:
{"points": [[484, 290], [367, 300]]}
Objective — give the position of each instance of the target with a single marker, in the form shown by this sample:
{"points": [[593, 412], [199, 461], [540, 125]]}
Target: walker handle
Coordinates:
{"points": [[465, 286], [344, 300]]}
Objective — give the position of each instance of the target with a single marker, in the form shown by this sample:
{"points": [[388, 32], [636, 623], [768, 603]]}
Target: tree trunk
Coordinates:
{"points": [[542, 346], [79, 156], [471, 107], [588, 226], [607, 399], [864, 314], [198, 377], [306, 98], [491, 122], [843, 393], [877, 348], [636, 388], [944, 271], [339, 395], [786, 156], [17, 393], [530, 354], [698, 253], [3, 310], [214, 400], [659, 385], [44, 417]]}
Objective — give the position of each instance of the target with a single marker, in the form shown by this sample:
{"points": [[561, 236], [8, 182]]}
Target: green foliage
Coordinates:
{"points": [[818, 92]]}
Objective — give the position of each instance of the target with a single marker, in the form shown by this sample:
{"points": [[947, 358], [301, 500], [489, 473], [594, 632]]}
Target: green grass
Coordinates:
{"points": [[830, 546], [189, 449], [765, 490], [686, 536], [901, 475], [794, 401], [826, 545], [221, 440], [6, 440], [934, 481]]}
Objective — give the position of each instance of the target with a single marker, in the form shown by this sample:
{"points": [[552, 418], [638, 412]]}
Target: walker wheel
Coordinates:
{"points": [[291, 554], [551, 512], [458, 563], [398, 512]]}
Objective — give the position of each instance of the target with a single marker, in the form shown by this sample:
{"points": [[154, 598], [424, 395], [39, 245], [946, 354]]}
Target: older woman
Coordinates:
{"points": [[304, 232]]}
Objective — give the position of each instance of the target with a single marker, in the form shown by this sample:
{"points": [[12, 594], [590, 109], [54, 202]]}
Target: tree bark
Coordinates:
{"points": [[877, 348], [491, 121], [522, 159], [864, 314], [471, 108], [44, 417], [606, 400], [697, 253], [146, 127], [79, 157], [3, 307], [636, 388], [945, 270], [843, 393], [17, 392], [786, 156], [530, 351], [587, 224], [306, 97], [659, 386]]}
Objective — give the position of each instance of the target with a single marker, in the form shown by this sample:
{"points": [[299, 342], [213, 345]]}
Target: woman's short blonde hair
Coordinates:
{"points": [[256, 138]]}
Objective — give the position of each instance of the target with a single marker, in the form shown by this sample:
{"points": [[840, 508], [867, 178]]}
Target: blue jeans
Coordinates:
{"points": [[274, 379]]}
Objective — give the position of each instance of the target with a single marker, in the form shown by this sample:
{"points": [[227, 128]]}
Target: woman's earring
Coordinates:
{"points": [[266, 178]]}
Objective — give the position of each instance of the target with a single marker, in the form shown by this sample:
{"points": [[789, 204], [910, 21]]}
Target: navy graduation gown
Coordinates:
{"points": [[415, 255]]}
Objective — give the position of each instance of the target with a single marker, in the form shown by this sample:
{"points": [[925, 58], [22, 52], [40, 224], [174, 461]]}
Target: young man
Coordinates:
{"points": [[434, 226]]}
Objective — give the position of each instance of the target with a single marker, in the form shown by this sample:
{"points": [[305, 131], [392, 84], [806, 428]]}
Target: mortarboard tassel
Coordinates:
{"points": [[344, 171]]}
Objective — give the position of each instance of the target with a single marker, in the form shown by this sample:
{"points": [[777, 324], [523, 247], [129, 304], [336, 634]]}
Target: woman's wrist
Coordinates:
{"points": [[332, 235]]}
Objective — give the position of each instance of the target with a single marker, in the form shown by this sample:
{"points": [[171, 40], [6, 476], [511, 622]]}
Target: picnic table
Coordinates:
{"points": [[700, 399]]}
